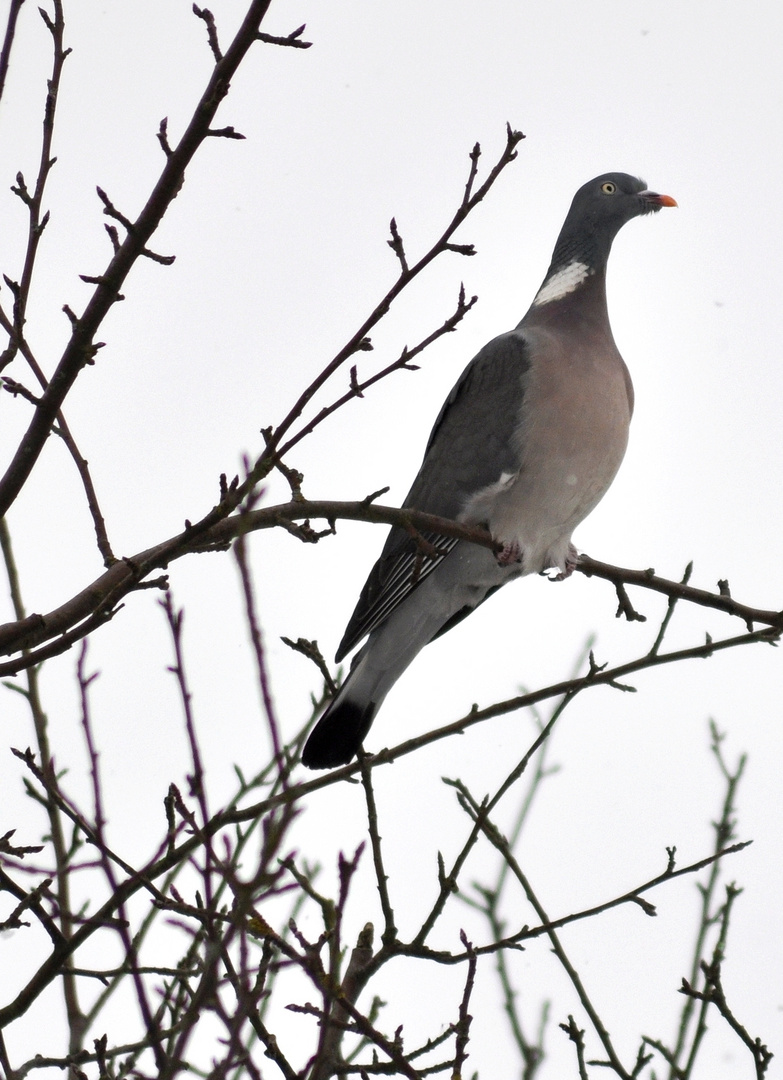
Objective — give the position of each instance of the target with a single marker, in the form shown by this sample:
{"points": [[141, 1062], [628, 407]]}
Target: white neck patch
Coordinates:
{"points": [[564, 282]]}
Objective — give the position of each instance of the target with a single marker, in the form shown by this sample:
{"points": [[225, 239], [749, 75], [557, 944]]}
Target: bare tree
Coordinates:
{"points": [[225, 950]]}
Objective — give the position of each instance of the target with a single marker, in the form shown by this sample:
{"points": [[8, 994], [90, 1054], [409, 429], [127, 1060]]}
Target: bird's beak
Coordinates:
{"points": [[656, 199]]}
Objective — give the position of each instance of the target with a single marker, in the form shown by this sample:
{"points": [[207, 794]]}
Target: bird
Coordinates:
{"points": [[526, 444]]}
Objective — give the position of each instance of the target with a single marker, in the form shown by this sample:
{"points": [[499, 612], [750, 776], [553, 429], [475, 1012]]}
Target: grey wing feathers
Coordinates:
{"points": [[470, 446], [392, 578]]}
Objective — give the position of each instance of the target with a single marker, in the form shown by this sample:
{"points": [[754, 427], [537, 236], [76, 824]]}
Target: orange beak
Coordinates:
{"points": [[659, 200]]}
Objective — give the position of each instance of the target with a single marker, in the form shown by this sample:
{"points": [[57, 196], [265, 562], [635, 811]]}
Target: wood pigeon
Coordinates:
{"points": [[526, 444]]}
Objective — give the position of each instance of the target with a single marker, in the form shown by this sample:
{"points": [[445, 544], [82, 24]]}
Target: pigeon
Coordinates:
{"points": [[526, 444]]}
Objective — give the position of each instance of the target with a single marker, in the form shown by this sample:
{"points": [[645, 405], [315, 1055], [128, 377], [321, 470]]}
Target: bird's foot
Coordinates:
{"points": [[509, 554], [571, 560]]}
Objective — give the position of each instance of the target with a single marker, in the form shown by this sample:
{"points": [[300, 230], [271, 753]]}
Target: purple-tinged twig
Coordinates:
{"points": [[53, 810], [264, 680], [389, 936], [171, 857], [151, 1023], [196, 779]]}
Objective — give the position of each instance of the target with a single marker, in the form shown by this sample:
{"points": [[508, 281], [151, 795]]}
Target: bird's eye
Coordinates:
{"points": [[608, 188]]}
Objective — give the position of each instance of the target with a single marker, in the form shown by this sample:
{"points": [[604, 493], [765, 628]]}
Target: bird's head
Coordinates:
{"points": [[599, 210]]}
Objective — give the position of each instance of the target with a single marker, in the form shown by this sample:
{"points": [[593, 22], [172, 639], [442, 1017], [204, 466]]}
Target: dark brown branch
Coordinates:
{"points": [[29, 901], [293, 40], [463, 1024], [397, 246], [312, 652], [80, 348], [225, 133], [61, 429], [724, 829], [209, 20], [97, 603], [276, 448], [8, 41], [632, 896], [680, 590], [393, 1050]]}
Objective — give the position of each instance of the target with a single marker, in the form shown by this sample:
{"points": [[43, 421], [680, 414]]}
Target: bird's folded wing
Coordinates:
{"points": [[473, 443], [394, 576]]}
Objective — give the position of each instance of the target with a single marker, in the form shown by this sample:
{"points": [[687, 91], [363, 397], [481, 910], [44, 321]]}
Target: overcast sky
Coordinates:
{"points": [[281, 252]]}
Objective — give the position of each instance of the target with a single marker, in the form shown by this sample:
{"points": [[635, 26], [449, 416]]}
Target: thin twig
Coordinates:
{"points": [[40, 720], [33, 200], [293, 40], [724, 833], [469, 202], [61, 429], [715, 995], [264, 678], [381, 877], [81, 346], [151, 1023], [482, 821]]}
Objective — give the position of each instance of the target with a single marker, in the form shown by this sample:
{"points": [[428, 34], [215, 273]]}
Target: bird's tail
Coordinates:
{"points": [[340, 732], [456, 586]]}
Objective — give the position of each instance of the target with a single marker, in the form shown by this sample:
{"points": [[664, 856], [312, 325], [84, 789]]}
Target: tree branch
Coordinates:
{"points": [[98, 601], [81, 347]]}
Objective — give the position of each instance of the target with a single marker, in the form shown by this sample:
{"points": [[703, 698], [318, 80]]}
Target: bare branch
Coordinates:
{"points": [[209, 20], [715, 995], [294, 39], [389, 936], [647, 579], [34, 201], [469, 202], [80, 349], [97, 603]]}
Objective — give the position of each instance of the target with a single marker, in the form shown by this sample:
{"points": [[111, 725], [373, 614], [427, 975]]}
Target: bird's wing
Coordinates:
{"points": [[472, 444]]}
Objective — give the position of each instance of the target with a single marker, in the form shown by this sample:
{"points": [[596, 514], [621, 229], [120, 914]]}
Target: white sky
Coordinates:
{"points": [[281, 251]]}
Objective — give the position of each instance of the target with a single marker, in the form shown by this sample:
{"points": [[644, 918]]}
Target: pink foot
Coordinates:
{"points": [[572, 558], [509, 554]]}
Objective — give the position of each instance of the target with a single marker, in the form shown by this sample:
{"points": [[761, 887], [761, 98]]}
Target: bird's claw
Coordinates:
{"points": [[572, 558], [509, 554]]}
